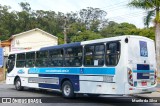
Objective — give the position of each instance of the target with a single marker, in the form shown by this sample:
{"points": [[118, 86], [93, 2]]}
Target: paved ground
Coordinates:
{"points": [[57, 99], [154, 94]]}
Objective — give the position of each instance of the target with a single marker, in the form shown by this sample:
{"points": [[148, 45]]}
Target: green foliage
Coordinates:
{"points": [[86, 35], [144, 4], [153, 9], [3, 37], [19, 21], [115, 29], [148, 32], [86, 24]]}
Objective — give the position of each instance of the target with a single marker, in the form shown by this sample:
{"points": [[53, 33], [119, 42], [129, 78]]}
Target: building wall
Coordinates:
{"points": [[32, 40], [6, 50], [1, 74]]}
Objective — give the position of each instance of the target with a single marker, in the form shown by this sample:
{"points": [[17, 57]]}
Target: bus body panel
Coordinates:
{"points": [[141, 62], [97, 80], [97, 87]]}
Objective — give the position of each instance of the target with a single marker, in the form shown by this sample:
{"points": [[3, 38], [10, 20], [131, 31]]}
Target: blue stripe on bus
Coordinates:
{"points": [[143, 67], [52, 86], [143, 71], [92, 71], [73, 78]]}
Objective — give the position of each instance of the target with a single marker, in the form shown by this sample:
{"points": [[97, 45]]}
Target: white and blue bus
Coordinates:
{"points": [[118, 65]]}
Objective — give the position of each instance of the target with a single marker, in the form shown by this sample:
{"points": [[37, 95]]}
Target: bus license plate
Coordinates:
{"points": [[145, 74], [144, 83]]}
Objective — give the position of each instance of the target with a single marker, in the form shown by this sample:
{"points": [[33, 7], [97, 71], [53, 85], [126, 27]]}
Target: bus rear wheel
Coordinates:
{"points": [[67, 90], [18, 85]]}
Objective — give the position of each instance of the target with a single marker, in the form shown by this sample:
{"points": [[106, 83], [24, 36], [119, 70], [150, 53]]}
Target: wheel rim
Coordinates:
{"points": [[67, 90], [18, 83]]}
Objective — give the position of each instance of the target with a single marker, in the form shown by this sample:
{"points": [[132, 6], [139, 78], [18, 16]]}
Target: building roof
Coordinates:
{"points": [[5, 43], [36, 29]]}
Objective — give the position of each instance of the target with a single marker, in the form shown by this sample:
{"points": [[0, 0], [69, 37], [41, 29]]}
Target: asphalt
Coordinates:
{"points": [[153, 94]]}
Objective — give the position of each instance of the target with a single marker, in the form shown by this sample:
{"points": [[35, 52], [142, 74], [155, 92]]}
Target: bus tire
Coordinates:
{"points": [[67, 90], [18, 84]]}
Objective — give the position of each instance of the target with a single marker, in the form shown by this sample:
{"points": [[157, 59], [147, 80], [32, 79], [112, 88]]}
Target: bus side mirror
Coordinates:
{"points": [[7, 66], [7, 63]]}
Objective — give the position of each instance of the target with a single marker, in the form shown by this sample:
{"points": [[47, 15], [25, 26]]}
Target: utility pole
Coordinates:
{"points": [[65, 31]]}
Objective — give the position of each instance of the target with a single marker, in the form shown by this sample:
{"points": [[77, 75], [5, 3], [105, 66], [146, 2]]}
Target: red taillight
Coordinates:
{"points": [[130, 88], [155, 76], [130, 77]]}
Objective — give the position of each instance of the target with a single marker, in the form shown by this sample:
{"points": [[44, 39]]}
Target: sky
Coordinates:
{"points": [[117, 10]]}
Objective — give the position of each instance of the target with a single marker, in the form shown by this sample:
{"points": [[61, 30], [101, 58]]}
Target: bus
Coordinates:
{"points": [[120, 65]]}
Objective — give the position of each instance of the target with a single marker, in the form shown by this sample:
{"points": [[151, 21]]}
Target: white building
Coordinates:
{"points": [[32, 39], [35, 38]]}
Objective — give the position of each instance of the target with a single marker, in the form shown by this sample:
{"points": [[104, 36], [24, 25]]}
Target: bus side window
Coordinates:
{"points": [[55, 58], [94, 55], [11, 63], [30, 59], [73, 57], [41, 59], [112, 53], [99, 54], [20, 62], [88, 56]]}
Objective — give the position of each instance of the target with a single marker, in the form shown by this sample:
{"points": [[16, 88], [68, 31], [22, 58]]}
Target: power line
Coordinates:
{"points": [[128, 15], [114, 5]]}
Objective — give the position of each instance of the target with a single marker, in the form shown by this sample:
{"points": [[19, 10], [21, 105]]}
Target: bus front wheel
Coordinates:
{"points": [[67, 90], [18, 84]]}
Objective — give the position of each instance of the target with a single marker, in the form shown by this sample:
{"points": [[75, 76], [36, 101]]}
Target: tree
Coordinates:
{"points": [[153, 7], [93, 18], [115, 29], [86, 35], [147, 32], [25, 6], [7, 21]]}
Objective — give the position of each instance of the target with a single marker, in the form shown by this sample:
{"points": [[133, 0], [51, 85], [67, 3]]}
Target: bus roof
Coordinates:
{"points": [[114, 39], [75, 44], [61, 46]]}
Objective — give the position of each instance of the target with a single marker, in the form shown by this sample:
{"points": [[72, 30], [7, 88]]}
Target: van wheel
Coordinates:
{"points": [[18, 85], [67, 90]]}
